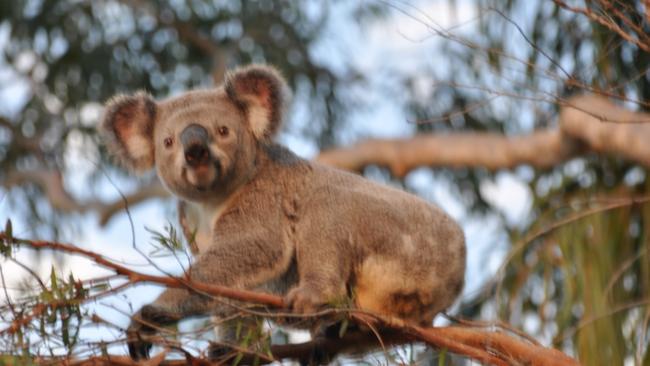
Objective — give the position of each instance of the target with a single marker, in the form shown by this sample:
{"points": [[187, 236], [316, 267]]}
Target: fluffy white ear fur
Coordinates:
{"points": [[128, 128], [261, 92]]}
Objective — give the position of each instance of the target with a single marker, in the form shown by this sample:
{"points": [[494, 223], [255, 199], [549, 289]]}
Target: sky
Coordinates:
{"points": [[396, 42]]}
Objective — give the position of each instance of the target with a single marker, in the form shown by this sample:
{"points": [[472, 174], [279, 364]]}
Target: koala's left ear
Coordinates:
{"points": [[128, 128], [262, 95]]}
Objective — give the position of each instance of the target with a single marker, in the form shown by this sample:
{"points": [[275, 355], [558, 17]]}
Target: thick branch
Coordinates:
{"points": [[609, 128], [505, 345], [488, 150], [586, 124]]}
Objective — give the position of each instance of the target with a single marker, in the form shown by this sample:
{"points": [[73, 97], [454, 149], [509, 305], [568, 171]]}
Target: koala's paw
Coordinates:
{"points": [[220, 352], [303, 299], [317, 356], [142, 326], [135, 337]]}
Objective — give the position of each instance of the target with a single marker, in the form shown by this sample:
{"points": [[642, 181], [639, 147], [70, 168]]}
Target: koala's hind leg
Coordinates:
{"points": [[323, 267], [397, 287]]}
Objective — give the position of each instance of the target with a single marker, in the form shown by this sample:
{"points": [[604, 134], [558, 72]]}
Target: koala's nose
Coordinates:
{"points": [[195, 145]]}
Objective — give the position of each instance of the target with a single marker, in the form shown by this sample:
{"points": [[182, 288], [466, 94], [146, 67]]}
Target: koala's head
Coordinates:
{"points": [[202, 142]]}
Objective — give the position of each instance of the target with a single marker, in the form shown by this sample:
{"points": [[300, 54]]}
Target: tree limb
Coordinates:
{"points": [[52, 185], [586, 124], [488, 150], [609, 129], [610, 24]]}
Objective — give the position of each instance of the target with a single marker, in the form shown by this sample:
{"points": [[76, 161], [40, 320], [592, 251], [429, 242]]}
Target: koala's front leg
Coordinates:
{"points": [[247, 261]]}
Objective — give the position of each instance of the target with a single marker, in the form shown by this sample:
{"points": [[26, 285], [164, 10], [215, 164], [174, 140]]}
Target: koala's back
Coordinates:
{"points": [[400, 255], [407, 257]]}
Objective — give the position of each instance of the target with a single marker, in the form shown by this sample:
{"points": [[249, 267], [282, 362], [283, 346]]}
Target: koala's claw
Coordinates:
{"points": [[138, 347], [141, 326], [158, 316], [304, 300]]}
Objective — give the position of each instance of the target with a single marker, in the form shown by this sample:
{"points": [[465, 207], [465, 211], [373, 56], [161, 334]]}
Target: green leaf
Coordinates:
{"points": [[344, 328], [237, 359], [167, 242], [442, 356], [5, 245], [53, 279], [65, 332], [99, 287], [238, 330], [51, 318], [9, 230], [103, 349], [41, 325]]}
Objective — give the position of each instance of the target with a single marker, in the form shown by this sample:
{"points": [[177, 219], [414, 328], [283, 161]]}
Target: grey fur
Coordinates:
{"points": [[267, 219]]}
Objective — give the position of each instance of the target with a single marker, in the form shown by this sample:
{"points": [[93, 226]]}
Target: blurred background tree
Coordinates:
{"points": [[503, 67]]}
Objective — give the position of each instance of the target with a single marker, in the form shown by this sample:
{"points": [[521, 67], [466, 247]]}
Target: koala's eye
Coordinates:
{"points": [[168, 142], [223, 131]]}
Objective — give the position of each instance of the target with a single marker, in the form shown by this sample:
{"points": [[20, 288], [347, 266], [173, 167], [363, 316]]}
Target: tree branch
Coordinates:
{"points": [[586, 124], [51, 183], [488, 150], [608, 129], [608, 23]]}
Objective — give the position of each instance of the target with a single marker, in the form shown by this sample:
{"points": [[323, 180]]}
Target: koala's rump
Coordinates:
{"points": [[409, 255], [387, 286], [412, 276]]}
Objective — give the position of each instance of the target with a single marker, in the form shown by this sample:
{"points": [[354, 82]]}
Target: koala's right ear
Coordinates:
{"points": [[262, 93], [128, 127]]}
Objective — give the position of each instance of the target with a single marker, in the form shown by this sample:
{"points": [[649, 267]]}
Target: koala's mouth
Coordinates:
{"points": [[204, 177]]}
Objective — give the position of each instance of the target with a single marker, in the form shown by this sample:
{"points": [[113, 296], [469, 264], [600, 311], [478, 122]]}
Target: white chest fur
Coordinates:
{"points": [[201, 218]]}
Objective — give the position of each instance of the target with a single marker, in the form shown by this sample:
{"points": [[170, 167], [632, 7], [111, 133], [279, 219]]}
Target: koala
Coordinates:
{"points": [[265, 219]]}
